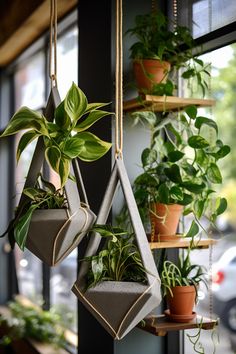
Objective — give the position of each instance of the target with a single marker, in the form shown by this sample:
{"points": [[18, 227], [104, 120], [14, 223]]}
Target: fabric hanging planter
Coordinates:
{"points": [[54, 233], [120, 306]]}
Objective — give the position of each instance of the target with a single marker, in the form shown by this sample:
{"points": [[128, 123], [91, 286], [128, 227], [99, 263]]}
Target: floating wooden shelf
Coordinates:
{"points": [[183, 243], [164, 103], [160, 325]]}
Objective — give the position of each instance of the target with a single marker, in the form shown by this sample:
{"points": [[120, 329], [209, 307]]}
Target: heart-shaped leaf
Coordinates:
{"points": [[75, 103], [197, 142], [53, 156], [93, 147]]}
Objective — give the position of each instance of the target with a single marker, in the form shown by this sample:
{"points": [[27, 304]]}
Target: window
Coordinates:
{"points": [[30, 89], [221, 291]]}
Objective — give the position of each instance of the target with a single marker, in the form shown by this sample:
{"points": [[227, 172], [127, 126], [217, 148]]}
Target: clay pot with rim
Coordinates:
{"points": [[148, 72], [181, 304], [164, 221]]}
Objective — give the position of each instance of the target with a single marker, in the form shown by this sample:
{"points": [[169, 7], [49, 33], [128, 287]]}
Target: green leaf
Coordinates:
{"points": [[64, 170], [176, 155], [213, 173], [163, 192], [199, 207], [75, 103], [53, 156], [193, 231], [26, 118], [93, 147], [94, 106], [222, 206], [200, 121], [73, 146], [148, 157], [194, 187], [197, 142], [25, 140], [176, 193], [191, 111], [173, 173], [187, 199], [31, 192], [92, 118], [22, 227], [222, 152], [61, 117]]}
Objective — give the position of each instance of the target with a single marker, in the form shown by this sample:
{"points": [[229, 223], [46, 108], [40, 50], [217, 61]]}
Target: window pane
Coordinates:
{"points": [[67, 61], [221, 292], [64, 275], [30, 83], [29, 91]]}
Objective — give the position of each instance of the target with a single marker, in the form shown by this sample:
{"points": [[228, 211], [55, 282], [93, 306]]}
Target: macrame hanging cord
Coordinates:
{"points": [[119, 81], [53, 44]]}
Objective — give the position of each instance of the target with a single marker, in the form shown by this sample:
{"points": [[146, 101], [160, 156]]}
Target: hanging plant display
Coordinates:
{"points": [[63, 136], [123, 272]]}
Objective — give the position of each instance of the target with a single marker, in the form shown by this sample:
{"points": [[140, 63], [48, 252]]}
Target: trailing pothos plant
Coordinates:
{"points": [[156, 40], [181, 166], [119, 260], [65, 138]]}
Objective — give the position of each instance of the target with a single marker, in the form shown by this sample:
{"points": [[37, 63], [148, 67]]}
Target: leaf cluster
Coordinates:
{"points": [[119, 260], [181, 274], [29, 322], [43, 196], [181, 165], [66, 137]]}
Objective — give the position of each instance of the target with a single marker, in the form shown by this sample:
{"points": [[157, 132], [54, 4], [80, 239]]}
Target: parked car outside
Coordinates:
{"points": [[224, 288]]}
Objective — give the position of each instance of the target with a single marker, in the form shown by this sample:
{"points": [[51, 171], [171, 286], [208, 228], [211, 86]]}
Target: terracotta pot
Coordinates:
{"points": [[164, 220], [149, 72], [182, 301]]}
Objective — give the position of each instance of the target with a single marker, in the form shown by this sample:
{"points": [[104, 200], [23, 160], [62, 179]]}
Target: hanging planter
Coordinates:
{"points": [[53, 233], [133, 298]]}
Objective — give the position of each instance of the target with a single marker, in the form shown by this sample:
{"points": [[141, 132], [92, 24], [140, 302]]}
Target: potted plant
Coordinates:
{"points": [[180, 168], [180, 284], [159, 52], [119, 260], [28, 322], [61, 139]]}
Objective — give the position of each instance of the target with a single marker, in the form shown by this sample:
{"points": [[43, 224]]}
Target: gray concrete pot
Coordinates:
{"points": [[54, 233]]}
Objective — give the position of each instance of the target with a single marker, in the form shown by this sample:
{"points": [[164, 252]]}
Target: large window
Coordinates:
{"points": [[31, 89], [219, 299]]}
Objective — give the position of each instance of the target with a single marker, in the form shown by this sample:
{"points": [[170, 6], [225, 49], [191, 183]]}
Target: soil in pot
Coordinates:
{"points": [[181, 304], [164, 220], [149, 72]]}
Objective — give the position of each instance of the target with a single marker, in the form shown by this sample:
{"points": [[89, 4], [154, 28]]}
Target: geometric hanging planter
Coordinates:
{"points": [[54, 233], [120, 305]]}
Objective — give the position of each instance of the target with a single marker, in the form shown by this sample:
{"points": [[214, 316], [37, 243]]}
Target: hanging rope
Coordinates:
{"points": [[53, 43], [119, 81]]}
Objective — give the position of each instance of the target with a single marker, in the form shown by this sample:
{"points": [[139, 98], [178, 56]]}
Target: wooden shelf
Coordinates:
{"points": [[183, 243], [164, 103], [160, 325]]}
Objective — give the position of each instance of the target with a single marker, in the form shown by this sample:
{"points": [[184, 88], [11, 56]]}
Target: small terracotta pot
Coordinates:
{"points": [[182, 301], [149, 72], [164, 220]]}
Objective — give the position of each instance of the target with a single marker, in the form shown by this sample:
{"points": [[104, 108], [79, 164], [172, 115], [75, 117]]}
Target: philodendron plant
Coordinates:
{"points": [[181, 166], [65, 138]]}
